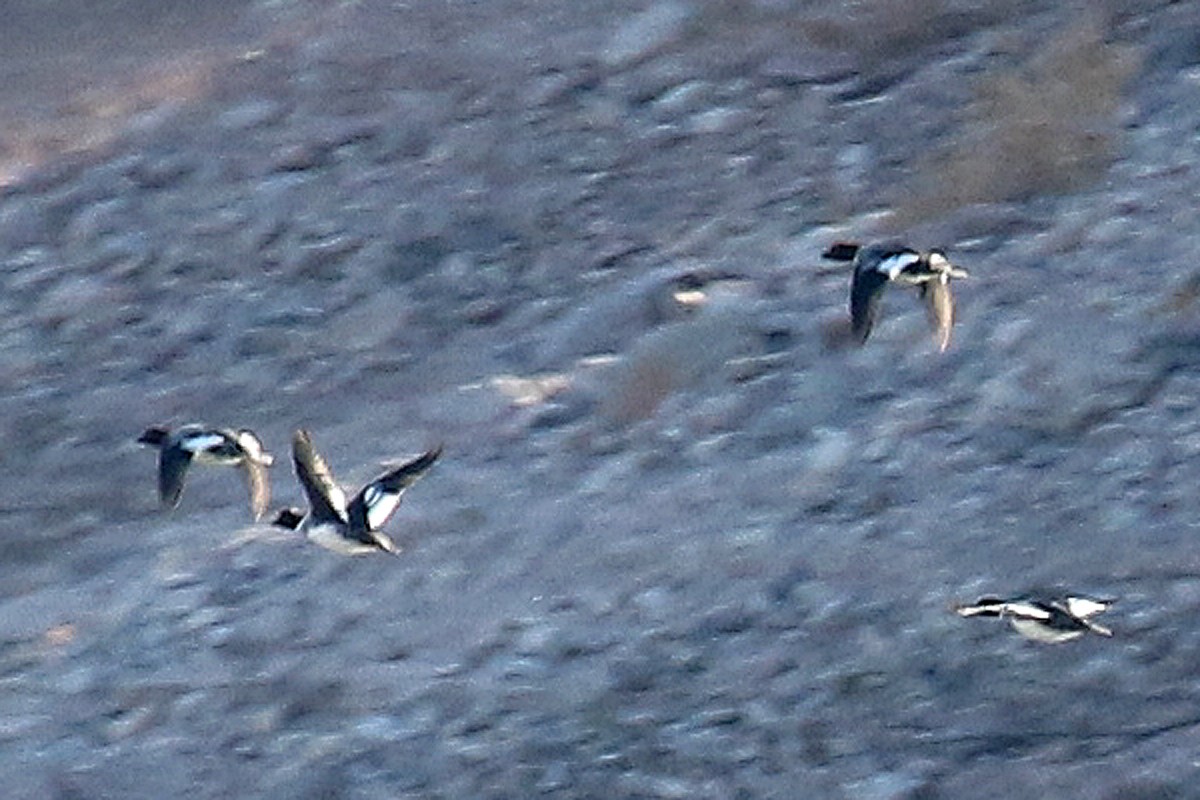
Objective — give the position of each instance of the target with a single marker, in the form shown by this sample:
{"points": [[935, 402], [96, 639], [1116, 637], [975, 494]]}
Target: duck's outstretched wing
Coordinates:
{"points": [[260, 488], [1081, 609], [380, 498], [1028, 609], [1094, 627], [939, 306], [173, 463], [325, 497], [866, 291], [983, 607]]}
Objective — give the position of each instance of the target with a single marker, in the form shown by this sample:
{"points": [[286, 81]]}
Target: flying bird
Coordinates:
{"points": [[1051, 619], [354, 527], [203, 444], [878, 265]]}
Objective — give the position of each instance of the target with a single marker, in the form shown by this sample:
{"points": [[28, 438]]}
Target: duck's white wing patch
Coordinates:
{"points": [[1084, 607], [979, 609], [894, 265], [337, 498], [198, 443], [1021, 608], [380, 505]]}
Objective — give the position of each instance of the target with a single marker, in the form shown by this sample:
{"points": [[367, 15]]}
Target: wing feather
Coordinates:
{"points": [[173, 464], [325, 497], [378, 500], [260, 489], [939, 306], [866, 290]]}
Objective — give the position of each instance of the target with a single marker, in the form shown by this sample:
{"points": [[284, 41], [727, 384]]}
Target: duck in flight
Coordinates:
{"points": [[204, 444], [878, 265], [1051, 619], [348, 527]]}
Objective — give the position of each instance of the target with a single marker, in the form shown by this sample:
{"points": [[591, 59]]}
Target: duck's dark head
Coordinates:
{"points": [[155, 436], [289, 518], [841, 251]]}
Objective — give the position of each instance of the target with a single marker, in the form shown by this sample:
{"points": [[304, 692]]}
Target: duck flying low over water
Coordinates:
{"points": [[203, 444], [878, 265], [350, 527], [1044, 619]]}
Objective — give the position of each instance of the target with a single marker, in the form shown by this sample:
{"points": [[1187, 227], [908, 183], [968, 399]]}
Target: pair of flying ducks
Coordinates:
{"points": [[876, 266], [349, 527], [1051, 618]]}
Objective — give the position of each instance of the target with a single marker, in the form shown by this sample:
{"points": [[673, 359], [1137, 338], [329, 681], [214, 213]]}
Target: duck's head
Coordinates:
{"points": [[289, 518], [156, 436], [841, 251]]}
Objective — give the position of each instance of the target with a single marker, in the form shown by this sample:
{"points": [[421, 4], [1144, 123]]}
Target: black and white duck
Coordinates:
{"points": [[350, 527], [878, 265], [1049, 618], [178, 449]]}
